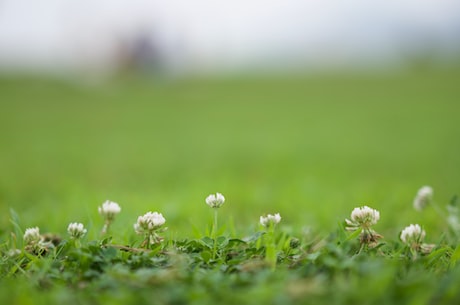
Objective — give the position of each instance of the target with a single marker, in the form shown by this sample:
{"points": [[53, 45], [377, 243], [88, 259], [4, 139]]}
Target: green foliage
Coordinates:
{"points": [[337, 269]]}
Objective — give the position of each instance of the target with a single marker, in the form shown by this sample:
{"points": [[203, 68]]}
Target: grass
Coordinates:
{"points": [[310, 148]]}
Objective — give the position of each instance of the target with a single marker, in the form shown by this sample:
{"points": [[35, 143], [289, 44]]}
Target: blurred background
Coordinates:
{"points": [[216, 36], [307, 108]]}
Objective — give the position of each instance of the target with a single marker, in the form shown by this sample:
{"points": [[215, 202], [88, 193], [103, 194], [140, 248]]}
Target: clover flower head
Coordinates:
{"points": [[423, 197], [32, 236], [13, 252], [35, 243], [76, 230], [215, 200], [109, 209], [453, 222], [269, 220], [413, 235], [363, 217], [149, 222]]}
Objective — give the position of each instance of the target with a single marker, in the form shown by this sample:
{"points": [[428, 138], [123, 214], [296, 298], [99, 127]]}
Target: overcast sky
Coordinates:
{"points": [[212, 33]]}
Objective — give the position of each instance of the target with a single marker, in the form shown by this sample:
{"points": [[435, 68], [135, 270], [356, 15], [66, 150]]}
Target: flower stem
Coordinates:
{"points": [[106, 227], [438, 210], [214, 235], [145, 244], [270, 247]]}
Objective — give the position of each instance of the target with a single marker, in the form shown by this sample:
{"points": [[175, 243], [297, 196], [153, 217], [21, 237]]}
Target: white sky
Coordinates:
{"points": [[224, 33]]}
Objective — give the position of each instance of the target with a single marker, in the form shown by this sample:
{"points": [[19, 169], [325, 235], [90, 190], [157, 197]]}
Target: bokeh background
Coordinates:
{"points": [[307, 108]]}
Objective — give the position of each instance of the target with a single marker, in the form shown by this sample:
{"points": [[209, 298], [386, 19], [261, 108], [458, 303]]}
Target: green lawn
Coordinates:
{"points": [[310, 148]]}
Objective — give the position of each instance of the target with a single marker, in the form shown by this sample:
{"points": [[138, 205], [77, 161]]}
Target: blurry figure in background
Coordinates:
{"points": [[138, 54]]}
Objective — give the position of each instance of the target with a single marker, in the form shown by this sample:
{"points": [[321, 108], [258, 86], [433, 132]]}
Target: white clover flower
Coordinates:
{"points": [[13, 252], [109, 209], [270, 220], [76, 230], [453, 221], [149, 222], [363, 217], [413, 235], [35, 243], [215, 201], [32, 236], [423, 197]]}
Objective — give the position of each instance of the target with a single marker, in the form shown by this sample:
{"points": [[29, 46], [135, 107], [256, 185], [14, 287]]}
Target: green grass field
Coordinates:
{"points": [[310, 148]]}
